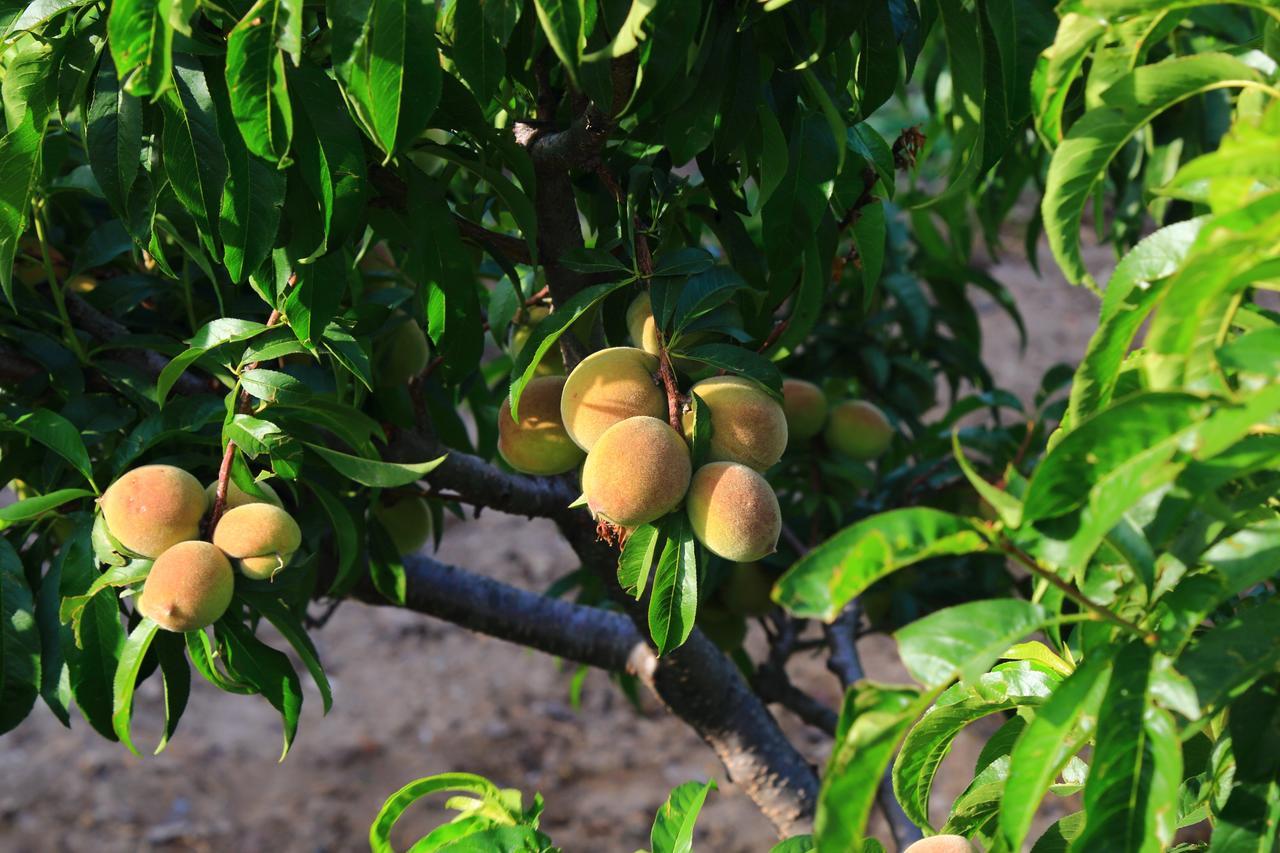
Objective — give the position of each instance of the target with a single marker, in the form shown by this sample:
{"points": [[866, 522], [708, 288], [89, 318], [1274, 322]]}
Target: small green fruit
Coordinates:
{"points": [[859, 430], [806, 408], [407, 521]]}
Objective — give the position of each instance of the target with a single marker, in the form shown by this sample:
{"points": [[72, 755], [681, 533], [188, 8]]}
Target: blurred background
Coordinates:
{"points": [[414, 696]]}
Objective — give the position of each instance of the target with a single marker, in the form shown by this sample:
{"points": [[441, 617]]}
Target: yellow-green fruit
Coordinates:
{"points": [[262, 537], [637, 472], [153, 507], [237, 496], [552, 363], [537, 443], [734, 512], [747, 425], [402, 353], [859, 430], [805, 406], [727, 630], [746, 590], [82, 283], [607, 387], [407, 521], [188, 588], [942, 844]]}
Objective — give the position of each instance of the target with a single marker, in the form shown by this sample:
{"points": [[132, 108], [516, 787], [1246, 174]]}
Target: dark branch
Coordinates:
{"points": [[587, 635], [773, 684], [14, 367], [102, 328], [842, 637]]}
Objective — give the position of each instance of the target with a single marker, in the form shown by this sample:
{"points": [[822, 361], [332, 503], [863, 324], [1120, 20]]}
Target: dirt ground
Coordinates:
{"points": [[414, 696]]}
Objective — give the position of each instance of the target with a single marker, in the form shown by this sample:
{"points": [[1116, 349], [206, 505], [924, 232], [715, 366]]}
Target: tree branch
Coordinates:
{"points": [[844, 661], [588, 635], [15, 367], [703, 687]]}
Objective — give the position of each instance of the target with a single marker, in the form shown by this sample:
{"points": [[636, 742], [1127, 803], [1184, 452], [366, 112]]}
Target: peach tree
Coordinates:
{"points": [[288, 291]]}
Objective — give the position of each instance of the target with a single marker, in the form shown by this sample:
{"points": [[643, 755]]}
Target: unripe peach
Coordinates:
{"points": [[637, 472], [805, 406], [747, 588], [607, 387], [538, 443], [154, 507], [734, 511], [262, 537], [747, 425], [942, 844], [643, 331], [188, 588], [859, 430], [402, 353], [552, 362], [237, 496], [727, 630], [82, 283], [407, 521]]}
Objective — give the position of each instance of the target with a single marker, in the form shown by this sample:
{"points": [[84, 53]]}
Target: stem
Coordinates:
{"points": [[55, 288], [224, 470], [667, 373], [1097, 610]]}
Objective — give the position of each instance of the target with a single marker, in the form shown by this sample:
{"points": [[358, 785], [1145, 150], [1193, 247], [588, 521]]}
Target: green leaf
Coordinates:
{"points": [[931, 738], [1248, 820], [344, 533], [330, 155], [131, 656], [316, 296], [674, 603], [1006, 505], [19, 642], [477, 50], [1080, 162], [673, 824], [267, 670], [93, 658], [630, 33], [1056, 732], [20, 159], [869, 235], [1249, 641], [636, 559], [34, 507], [290, 627], [113, 137], [399, 802], [1131, 796], [873, 720], [746, 363], [1104, 453], [203, 657], [562, 23], [389, 65], [253, 196], [546, 333], [140, 35], [1132, 292], [272, 386], [194, 160], [963, 641], [1057, 68], [256, 78], [59, 435], [375, 472], [774, 159], [794, 210], [822, 582], [177, 683]]}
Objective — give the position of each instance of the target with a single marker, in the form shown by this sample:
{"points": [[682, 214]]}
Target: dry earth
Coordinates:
{"points": [[414, 696]]}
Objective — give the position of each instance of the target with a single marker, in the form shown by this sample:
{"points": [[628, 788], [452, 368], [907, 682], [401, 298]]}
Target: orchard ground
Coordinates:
{"points": [[415, 696]]}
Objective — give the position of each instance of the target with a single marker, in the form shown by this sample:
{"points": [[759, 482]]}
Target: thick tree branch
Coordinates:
{"points": [[102, 328], [588, 635]]}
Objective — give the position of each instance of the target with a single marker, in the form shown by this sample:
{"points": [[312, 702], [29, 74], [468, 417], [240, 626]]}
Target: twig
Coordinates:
{"points": [[773, 684], [243, 404], [1097, 610]]}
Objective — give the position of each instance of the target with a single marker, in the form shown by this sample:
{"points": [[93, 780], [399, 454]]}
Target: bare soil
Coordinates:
{"points": [[414, 696]]}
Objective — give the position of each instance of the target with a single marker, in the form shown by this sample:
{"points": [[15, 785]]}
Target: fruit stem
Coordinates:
{"points": [[224, 470], [1050, 577]]}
